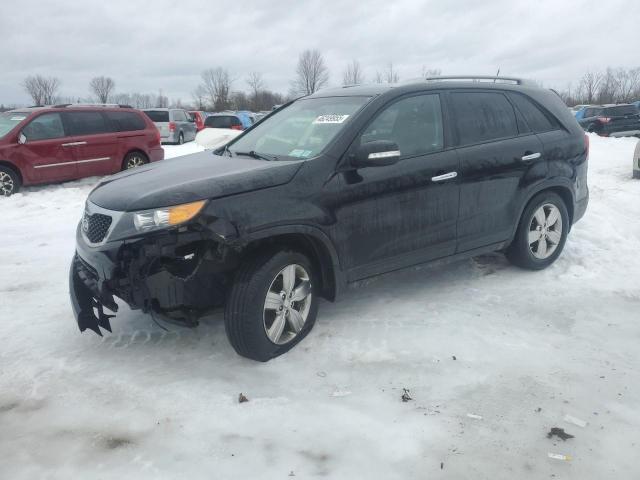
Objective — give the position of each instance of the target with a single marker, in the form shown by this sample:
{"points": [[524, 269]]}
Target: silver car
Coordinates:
{"points": [[175, 125]]}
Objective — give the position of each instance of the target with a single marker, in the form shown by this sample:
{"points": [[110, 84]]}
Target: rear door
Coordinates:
{"points": [[96, 146], [48, 151], [499, 157]]}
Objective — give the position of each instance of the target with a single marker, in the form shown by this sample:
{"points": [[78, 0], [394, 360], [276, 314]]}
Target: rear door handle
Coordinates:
{"points": [[445, 176], [73, 144], [531, 156]]}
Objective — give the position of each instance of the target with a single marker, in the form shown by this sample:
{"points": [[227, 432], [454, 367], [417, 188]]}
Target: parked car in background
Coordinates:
{"points": [[175, 124], [224, 120], [636, 161], [612, 121], [333, 188], [199, 117], [66, 142], [579, 112]]}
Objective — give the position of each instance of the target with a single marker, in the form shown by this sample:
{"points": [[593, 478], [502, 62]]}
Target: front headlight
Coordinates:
{"points": [[167, 216]]}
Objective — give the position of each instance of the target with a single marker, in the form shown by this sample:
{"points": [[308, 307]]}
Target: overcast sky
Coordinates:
{"points": [[153, 44]]}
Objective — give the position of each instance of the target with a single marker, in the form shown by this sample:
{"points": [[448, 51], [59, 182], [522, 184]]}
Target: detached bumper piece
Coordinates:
{"points": [[85, 299]]}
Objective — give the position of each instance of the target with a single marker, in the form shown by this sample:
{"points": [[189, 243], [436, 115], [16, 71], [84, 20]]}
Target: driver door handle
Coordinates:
{"points": [[444, 176], [531, 156]]}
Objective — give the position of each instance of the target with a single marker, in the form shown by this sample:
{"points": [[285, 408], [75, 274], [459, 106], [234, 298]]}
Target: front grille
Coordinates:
{"points": [[96, 226]]}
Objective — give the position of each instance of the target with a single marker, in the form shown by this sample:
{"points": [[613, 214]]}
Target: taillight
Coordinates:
{"points": [[158, 137], [172, 126], [586, 145], [236, 127], [604, 119]]}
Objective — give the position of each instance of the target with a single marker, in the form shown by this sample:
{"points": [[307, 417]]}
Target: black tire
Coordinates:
{"points": [[244, 315], [181, 139], [133, 159], [519, 252], [9, 182]]}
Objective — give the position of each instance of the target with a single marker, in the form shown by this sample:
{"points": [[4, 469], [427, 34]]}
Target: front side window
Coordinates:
{"points": [[44, 127], [301, 130], [413, 123], [9, 120], [483, 116], [86, 123]]}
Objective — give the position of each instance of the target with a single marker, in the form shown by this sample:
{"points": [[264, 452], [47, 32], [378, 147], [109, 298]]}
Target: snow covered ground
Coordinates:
{"points": [[520, 349]]}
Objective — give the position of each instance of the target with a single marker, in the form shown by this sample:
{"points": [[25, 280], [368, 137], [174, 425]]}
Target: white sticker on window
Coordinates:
{"points": [[17, 119], [331, 119], [296, 153]]}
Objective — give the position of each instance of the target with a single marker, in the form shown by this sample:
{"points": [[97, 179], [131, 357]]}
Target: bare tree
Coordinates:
{"points": [[390, 75], [589, 85], [378, 77], [608, 91], [102, 87], [353, 74], [199, 93], [628, 84], [42, 90], [311, 73], [256, 85], [430, 72], [217, 85]]}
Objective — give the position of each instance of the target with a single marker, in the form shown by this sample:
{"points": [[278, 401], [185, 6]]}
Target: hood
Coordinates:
{"points": [[187, 179]]}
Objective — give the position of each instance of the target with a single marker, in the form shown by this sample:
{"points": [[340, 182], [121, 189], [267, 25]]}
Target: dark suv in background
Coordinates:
{"points": [[331, 189], [66, 142], [612, 121]]}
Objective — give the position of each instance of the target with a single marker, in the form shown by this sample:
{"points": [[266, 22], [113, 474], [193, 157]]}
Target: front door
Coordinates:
{"points": [[392, 216], [47, 151]]}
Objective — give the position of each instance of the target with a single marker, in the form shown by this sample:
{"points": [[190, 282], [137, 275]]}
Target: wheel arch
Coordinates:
{"points": [[133, 150], [310, 241], [14, 168]]}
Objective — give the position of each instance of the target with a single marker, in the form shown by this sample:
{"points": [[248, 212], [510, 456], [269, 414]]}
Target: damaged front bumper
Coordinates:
{"points": [[176, 276]]}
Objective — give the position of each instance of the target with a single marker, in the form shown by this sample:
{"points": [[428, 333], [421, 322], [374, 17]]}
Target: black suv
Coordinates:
{"points": [[612, 121], [332, 188]]}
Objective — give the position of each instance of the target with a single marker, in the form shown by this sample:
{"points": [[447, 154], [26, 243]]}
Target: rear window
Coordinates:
{"points": [[483, 116], [536, 119], [125, 121], [620, 111], [157, 115], [86, 123], [8, 120], [222, 121]]}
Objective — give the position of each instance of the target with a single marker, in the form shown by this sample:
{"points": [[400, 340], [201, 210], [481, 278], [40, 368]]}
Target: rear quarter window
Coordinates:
{"points": [[536, 119], [125, 121], [482, 116]]}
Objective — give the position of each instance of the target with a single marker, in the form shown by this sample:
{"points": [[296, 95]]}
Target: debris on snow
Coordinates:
{"points": [[538, 410], [441, 465], [242, 398], [560, 433], [575, 421], [559, 456], [322, 374], [405, 395], [454, 357], [474, 416], [340, 393]]}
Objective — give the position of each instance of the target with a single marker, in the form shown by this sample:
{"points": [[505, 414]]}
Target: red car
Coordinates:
{"points": [[52, 144], [199, 118]]}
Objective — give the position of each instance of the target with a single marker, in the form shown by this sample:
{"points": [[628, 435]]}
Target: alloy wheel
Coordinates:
{"points": [[287, 304], [545, 231], [135, 161], [6, 184]]}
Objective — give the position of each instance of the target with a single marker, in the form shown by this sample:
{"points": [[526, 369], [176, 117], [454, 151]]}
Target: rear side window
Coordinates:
{"points": [[592, 112], [157, 115], [125, 121], [44, 127], [179, 116], [221, 121], [414, 124], [537, 120], [86, 123], [483, 116]]}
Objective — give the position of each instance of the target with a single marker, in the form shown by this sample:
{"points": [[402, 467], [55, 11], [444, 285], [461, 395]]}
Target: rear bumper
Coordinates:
{"points": [[156, 154], [580, 208]]}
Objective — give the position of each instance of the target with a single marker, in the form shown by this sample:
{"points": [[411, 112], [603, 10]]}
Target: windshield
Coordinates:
{"points": [[8, 120], [301, 130], [158, 115]]}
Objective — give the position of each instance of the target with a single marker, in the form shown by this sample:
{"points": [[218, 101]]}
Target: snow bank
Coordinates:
{"points": [[529, 347]]}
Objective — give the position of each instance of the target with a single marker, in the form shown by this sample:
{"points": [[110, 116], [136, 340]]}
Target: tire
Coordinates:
{"points": [[527, 252], [133, 160], [248, 321], [181, 139], [9, 182]]}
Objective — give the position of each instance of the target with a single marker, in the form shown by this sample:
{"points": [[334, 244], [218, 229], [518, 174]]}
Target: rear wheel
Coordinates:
{"points": [[272, 305], [133, 160], [541, 234], [9, 181], [181, 139]]}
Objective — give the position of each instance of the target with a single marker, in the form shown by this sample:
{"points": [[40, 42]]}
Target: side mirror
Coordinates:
{"points": [[378, 153], [22, 138]]}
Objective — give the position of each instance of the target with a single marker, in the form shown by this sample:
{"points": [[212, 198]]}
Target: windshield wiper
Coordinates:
{"points": [[256, 155]]}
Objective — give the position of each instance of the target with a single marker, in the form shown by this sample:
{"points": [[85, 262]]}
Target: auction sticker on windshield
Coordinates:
{"points": [[331, 119]]}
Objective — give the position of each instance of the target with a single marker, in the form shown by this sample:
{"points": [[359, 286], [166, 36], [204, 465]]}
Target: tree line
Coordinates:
{"points": [[613, 85]]}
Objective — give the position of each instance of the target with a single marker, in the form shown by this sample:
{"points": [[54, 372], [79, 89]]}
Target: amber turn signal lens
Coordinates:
{"points": [[182, 213]]}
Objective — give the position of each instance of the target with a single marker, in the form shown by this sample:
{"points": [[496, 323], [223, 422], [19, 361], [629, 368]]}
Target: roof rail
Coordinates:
{"points": [[105, 105], [479, 78]]}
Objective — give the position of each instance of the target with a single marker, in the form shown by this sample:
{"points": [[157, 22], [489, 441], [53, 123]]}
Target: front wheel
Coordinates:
{"points": [[272, 305], [133, 160], [542, 232], [9, 182]]}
